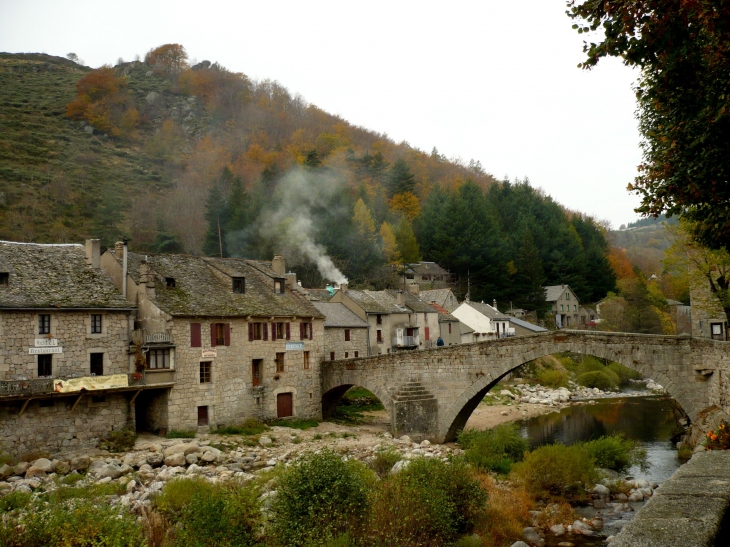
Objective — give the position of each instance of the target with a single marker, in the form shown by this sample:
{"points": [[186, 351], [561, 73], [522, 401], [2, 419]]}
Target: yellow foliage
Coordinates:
{"points": [[363, 220], [389, 244], [406, 204], [507, 512]]}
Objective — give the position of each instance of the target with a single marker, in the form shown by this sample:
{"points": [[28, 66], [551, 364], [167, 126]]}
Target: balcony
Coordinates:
{"points": [[406, 342], [39, 387]]}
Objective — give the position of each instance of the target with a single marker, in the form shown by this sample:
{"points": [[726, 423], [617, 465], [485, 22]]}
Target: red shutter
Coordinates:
{"points": [[195, 341], [427, 334], [301, 331], [212, 335], [273, 331], [311, 331], [288, 331], [250, 332], [228, 334], [265, 326]]}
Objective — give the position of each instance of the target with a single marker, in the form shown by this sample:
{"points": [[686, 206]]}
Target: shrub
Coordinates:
{"points": [[228, 516], [250, 426], [596, 379], [430, 502], [615, 452], [179, 493], [318, 498], [553, 378], [612, 375], [624, 373], [120, 440], [506, 514], [589, 364], [556, 470], [494, 449], [384, 461], [180, 434], [13, 501]]}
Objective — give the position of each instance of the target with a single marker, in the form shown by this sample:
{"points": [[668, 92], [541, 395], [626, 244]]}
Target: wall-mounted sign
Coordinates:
{"points": [[46, 342], [209, 353], [36, 351], [294, 346], [91, 383]]}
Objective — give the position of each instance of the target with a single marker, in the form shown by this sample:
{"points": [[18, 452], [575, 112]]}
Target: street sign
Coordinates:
{"points": [[294, 346]]}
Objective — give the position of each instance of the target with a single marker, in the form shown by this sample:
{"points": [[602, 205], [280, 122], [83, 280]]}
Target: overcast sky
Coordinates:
{"points": [[491, 80]]}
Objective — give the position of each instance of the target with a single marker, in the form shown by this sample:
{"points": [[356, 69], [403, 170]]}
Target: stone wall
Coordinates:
{"points": [[334, 341], [55, 428], [230, 396], [693, 371], [72, 329]]}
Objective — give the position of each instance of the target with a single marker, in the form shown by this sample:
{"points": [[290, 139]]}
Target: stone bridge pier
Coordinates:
{"points": [[430, 394]]}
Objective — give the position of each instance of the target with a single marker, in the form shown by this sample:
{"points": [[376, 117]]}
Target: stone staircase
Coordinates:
{"points": [[412, 391]]}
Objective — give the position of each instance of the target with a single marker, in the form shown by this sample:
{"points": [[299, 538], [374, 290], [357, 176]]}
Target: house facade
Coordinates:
{"points": [[486, 321], [345, 334], [65, 379], [240, 337], [443, 297], [428, 275], [564, 305], [449, 326]]}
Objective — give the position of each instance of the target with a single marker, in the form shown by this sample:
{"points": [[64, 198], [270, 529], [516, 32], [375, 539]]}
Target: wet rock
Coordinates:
{"points": [[600, 503], [532, 537], [558, 529], [580, 527], [597, 523]]}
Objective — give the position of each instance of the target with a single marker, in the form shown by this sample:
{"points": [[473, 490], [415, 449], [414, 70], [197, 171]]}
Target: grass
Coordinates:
{"points": [[251, 426], [90, 492], [180, 434], [295, 423], [494, 449]]}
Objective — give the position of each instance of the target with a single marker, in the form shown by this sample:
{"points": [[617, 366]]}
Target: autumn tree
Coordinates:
{"points": [[407, 243], [683, 51], [405, 204], [167, 59], [389, 244]]}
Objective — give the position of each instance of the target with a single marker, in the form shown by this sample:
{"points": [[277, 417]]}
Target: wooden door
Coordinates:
{"points": [[202, 416], [284, 405], [256, 372]]}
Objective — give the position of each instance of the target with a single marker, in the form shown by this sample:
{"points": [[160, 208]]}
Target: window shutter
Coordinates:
{"points": [[428, 334], [288, 331], [301, 330], [250, 332], [273, 331], [228, 334], [311, 331], [347, 335], [265, 326], [212, 335], [195, 339]]}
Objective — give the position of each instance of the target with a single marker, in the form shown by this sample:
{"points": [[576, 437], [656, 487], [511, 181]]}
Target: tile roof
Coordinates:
{"points": [[54, 276], [526, 325], [203, 287], [489, 311], [444, 315], [337, 315]]}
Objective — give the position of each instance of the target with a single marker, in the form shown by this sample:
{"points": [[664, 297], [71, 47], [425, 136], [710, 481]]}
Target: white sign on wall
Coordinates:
{"points": [[46, 342], [294, 346], [208, 353], [36, 351]]}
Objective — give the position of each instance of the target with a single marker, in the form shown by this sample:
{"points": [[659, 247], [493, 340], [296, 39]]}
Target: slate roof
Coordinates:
{"points": [[427, 268], [203, 287], [553, 292], [54, 276], [465, 329], [526, 325], [338, 315], [322, 295], [444, 315], [367, 302], [489, 311], [412, 301], [435, 295]]}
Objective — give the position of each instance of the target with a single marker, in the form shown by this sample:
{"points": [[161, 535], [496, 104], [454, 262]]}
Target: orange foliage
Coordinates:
{"points": [[102, 102], [407, 204], [168, 58], [507, 512], [621, 263]]}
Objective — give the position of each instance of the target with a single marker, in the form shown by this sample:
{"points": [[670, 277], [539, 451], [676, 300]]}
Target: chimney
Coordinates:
{"points": [[291, 280], [93, 253], [119, 250], [413, 289], [147, 279], [494, 304], [401, 299], [342, 287], [278, 265]]}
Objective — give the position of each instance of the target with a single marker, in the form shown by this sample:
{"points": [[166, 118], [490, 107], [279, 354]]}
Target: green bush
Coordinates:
{"points": [[615, 452], [120, 440], [251, 426], [556, 470], [227, 516], [85, 524], [179, 493], [13, 501], [553, 378], [430, 502], [494, 449], [384, 461], [624, 373], [597, 379], [295, 423], [180, 434], [590, 364], [318, 498]]}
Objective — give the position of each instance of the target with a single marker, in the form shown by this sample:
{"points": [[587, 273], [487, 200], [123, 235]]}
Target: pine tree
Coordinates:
{"points": [[529, 278], [407, 244], [400, 179]]}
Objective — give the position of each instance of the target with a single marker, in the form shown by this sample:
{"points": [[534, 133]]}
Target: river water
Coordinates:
{"points": [[651, 420]]}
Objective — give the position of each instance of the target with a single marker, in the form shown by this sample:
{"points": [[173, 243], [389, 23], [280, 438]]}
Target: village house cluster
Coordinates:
{"points": [[92, 342]]}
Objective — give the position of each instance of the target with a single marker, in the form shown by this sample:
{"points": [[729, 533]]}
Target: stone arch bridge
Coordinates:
{"points": [[430, 394]]}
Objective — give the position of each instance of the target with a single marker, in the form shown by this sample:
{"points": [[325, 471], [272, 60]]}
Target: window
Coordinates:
{"points": [[449, 328], [279, 362], [347, 354], [4, 279], [158, 358], [562, 308], [96, 364], [575, 307], [96, 324], [305, 331], [332, 356], [239, 285], [220, 334], [44, 324], [379, 319], [567, 296], [279, 331], [380, 336], [170, 282], [347, 335], [306, 360], [256, 366], [45, 367], [279, 286], [205, 372], [254, 331], [356, 354]]}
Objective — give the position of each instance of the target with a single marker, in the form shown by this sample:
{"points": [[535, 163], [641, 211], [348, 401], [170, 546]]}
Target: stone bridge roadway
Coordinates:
{"points": [[430, 394]]}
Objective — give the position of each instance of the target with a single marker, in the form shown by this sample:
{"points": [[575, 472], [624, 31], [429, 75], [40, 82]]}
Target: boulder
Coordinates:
{"points": [[79, 463], [194, 468], [23, 488], [131, 485], [62, 467], [21, 468], [5, 471], [580, 527], [405, 439], [399, 466], [519, 544], [5, 488], [191, 458], [636, 496], [43, 464], [265, 441], [102, 470], [532, 537], [34, 471], [601, 491], [184, 449], [155, 459], [558, 529], [175, 460], [209, 456]]}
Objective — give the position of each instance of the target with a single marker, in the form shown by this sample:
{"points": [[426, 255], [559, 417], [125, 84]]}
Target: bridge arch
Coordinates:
{"points": [[332, 392]]}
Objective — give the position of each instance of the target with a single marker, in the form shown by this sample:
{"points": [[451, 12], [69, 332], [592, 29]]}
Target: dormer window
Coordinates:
{"points": [[279, 286], [170, 282], [239, 285]]}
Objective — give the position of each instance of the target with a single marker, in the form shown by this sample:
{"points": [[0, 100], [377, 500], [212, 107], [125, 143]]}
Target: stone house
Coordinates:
{"points": [[345, 334], [707, 316], [449, 330], [64, 349], [428, 275], [443, 297], [239, 335], [486, 321], [564, 305]]}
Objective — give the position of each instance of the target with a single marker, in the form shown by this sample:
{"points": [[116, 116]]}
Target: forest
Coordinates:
{"points": [[198, 159]]}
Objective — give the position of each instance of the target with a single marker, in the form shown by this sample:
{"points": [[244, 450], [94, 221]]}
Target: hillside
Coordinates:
{"points": [[198, 159]]}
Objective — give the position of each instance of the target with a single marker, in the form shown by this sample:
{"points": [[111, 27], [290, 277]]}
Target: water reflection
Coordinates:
{"points": [[651, 420]]}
